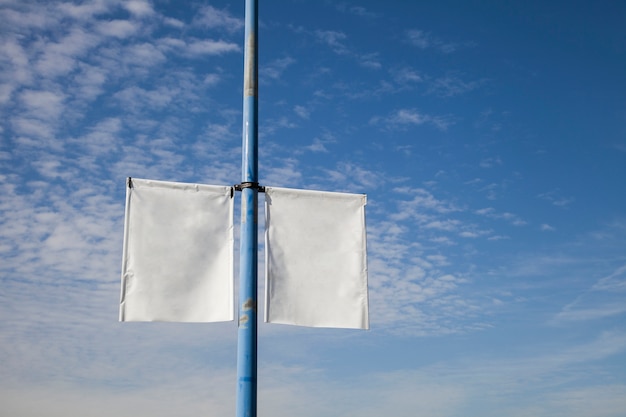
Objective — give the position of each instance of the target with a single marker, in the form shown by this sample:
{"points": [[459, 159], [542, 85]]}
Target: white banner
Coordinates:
{"points": [[178, 250], [316, 262]]}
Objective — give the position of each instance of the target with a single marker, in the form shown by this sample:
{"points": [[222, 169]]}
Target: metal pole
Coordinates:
{"points": [[247, 331]]}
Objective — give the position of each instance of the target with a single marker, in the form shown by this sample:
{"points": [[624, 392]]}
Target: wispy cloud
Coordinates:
{"points": [[370, 61], [406, 76], [317, 146], [603, 299], [425, 40], [490, 162], [358, 176], [404, 118], [44, 105], [355, 10], [83, 11], [452, 85], [210, 17], [302, 111], [491, 213], [196, 47], [283, 173], [275, 69], [117, 28], [139, 8], [320, 142], [273, 125], [556, 198], [421, 201], [211, 47], [334, 39]]}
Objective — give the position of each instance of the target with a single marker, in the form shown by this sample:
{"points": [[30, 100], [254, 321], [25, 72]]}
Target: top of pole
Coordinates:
{"points": [[250, 94]]}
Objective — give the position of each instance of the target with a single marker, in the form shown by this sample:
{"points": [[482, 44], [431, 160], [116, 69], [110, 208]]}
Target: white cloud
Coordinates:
{"points": [[120, 29], [136, 98], [406, 75], [89, 82], [169, 44], [604, 299], [425, 40], [55, 65], [452, 85], [447, 225], [170, 21], [18, 69], [317, 146], [61, 57], [320, 142], [103, 138], [142, 55], [276, 68], [139, 8], [86, 10], [211, 47], [211, 79], [284, 174], [271, 126], [355, 10], [6, 91], [615, 281], [211, 17], [421, 201], [490, 162], [472, 234], [34, 128], [302, 111], [44, 105], [334, 39], [418, 38], [26, 18], [370, 61], [556, 198], [403, 118], [357, 176], [491, 213]]}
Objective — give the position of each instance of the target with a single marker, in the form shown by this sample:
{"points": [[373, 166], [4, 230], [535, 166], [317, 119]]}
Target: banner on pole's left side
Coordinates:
{"points": [[178, 252]]}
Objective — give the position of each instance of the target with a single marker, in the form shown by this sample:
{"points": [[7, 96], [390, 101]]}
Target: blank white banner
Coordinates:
{"points": [[178, 253], [316, 262]]}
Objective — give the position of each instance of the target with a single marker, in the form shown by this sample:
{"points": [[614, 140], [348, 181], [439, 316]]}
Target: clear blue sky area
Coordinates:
{"points": [[489, 136]]}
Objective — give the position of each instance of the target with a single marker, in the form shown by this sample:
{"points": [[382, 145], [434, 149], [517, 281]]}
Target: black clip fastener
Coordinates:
{"points": [[253, 185]]}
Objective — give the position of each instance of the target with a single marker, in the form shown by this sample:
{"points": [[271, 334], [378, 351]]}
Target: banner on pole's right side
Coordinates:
{"points": [[316, 262]]}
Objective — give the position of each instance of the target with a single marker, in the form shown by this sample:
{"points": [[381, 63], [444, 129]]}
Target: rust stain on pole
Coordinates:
{"points": [[249, 305], [250, 76]]}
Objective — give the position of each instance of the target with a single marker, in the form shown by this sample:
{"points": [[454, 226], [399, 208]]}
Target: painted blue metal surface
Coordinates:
{"points": [[248, 274]]}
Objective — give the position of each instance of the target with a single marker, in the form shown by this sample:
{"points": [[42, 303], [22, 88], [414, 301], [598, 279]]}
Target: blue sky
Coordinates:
{"points": [[490, 138]]}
